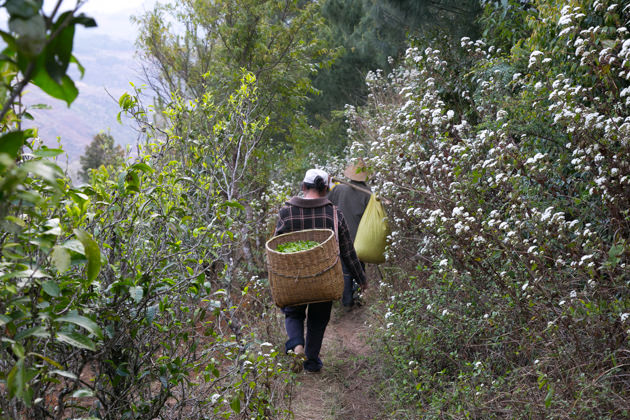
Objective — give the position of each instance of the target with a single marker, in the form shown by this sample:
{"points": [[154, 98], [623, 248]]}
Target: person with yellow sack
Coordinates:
{"points": [[351, 198]]}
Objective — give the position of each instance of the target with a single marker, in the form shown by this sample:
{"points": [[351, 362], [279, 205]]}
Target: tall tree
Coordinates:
{"points": [[211, 42], [101, 151], [456, 18], [199, 61], [371, 31]]}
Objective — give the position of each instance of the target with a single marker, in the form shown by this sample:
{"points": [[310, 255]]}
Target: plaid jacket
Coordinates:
{"points": [[301, 213]]}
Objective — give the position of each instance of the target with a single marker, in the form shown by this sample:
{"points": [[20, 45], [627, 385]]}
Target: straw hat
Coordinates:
{"points": [[356, 172]]}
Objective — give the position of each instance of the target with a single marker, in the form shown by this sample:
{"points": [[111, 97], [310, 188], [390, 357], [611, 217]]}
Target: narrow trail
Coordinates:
{"points": [[344, 389]]}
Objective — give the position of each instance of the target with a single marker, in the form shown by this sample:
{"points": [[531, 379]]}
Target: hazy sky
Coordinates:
{"points": [[112, 6], [112, 16]]}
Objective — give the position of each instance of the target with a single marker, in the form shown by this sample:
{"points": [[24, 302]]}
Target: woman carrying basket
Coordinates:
{"points": [[314, 211]]}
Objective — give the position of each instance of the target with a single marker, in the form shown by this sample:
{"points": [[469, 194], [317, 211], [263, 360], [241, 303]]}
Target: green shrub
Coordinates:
{"points": [[124, 298]]}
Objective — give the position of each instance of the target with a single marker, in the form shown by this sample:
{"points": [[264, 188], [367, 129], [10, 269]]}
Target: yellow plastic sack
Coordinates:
{"points": [[372, 233]]}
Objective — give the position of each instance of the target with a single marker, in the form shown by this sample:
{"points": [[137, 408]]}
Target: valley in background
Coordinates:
{"points": [[110, 65]]}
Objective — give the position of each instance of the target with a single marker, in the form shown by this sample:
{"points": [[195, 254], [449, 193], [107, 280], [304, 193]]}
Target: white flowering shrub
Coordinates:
{"points": [[509, 181]]}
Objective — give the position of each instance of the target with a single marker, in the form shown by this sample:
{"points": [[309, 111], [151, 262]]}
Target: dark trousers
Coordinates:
{"points": [[349, 285], [316, 322]]}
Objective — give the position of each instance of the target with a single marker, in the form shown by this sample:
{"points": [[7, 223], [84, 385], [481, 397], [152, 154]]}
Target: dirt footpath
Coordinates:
{"points": [[344, 388]]}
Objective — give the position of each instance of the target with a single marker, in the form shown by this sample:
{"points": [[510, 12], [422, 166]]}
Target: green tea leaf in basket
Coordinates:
{"points": [[296, 246]]}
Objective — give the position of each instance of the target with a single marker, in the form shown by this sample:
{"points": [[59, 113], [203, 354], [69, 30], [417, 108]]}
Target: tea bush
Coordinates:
{"points": [[126, 298]]}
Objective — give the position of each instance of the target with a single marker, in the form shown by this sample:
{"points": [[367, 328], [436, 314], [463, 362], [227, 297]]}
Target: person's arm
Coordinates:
{"points": [[281, 225], [348, 254]]}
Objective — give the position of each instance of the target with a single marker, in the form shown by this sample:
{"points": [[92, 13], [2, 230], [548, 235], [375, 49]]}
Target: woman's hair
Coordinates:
{"points": [[320, 185]]}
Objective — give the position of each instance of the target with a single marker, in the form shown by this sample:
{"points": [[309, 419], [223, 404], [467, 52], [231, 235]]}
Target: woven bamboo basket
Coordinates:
{"points": [[309, 276]]}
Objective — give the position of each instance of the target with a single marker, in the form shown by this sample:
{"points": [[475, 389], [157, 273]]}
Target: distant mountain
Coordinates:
{"points": [[109, 67]]}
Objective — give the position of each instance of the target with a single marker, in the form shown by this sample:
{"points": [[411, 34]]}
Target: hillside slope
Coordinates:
{"points": [[109, 67]]}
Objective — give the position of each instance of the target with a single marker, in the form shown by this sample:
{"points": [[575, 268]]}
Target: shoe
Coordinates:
{"points": [[357, 298], [297, 363]]}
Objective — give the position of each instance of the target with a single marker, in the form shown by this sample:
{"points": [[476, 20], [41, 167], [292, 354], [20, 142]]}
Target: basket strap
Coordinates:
{"points": [[305, 277], [336, 230], [335, 218]]}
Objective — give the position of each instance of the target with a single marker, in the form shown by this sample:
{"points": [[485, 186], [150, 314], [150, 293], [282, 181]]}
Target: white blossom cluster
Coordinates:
{"points": [[539, 203]]}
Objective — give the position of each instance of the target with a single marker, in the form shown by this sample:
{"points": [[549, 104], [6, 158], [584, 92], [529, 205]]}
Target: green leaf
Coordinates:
{"points": [[64, 373], [64, 90], [151, 312], [78, 197], [136, 293], [46, 152], [47, 359], [58, 52], [23, 8], [10, 41], [74, 60], [236, 404], [54, 231], [84, 20], [51, 288], [82, 321], [35, 331], [76, 340], [616, 250], [16, 380], [9, 183], [121, 182], [4, 320], [61, 259], [40, 106], [57, 85], [141, 167], [25, 274], [82, 393], [126, 101], [18, 350], [75, 246], [48, 171], [92, 253], [549, 396], [31, 36], [234, 204], [296, 246], [52, 223], [11, 143]]}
